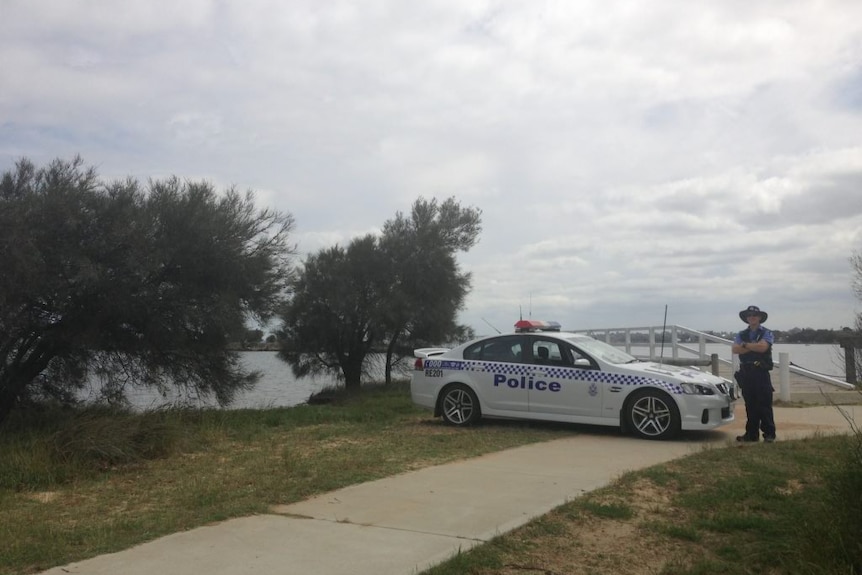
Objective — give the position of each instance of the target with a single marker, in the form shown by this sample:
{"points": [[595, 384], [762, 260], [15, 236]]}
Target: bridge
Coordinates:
{"points": [[793, 383]]}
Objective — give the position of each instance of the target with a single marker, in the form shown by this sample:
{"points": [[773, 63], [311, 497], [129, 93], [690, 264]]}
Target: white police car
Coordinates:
{"points": [[541, 373]]}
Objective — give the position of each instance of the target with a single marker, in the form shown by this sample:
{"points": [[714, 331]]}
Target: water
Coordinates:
{"points": [[825, 359], [279, 388], [820, 358]]}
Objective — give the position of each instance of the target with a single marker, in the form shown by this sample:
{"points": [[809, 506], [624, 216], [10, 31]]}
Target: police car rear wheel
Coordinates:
{"points": [[459, 405], [653, 414]]}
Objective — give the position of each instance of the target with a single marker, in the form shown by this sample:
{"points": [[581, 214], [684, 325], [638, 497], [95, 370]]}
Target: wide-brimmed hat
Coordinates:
{"points": [[743, 315]]}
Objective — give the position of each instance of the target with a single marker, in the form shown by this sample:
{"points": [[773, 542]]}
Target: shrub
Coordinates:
{"points": [[58, 445], [845, 485], [830, 535], [109, 438]]}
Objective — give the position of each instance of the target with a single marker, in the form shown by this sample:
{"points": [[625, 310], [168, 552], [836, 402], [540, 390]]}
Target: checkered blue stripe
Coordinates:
{"points": [[620, 379], [558, 373]]}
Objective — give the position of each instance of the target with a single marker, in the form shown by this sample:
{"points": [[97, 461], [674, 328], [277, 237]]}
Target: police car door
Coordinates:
{"points": [[563, 380], [497, 370]]}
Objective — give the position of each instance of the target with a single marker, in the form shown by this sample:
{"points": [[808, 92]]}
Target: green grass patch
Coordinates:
{"points": [[684, 532], [790, 508], [75, 484]]}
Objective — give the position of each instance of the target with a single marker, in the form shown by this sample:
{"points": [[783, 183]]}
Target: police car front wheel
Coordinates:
{"points": [[459, 405], [652, 414]]}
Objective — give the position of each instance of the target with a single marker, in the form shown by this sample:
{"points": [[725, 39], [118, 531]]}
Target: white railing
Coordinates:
{"points": [[656, 343]]}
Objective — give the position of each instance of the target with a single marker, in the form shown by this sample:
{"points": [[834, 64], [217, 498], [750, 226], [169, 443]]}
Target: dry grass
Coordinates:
{"points": [[221, 465], [761, 509]]}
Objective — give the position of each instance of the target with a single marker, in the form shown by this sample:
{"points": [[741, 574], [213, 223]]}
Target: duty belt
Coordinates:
{"points": [[754, 364]]}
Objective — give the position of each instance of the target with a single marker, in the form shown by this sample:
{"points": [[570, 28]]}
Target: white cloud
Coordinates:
{"points": [[625, 156]]}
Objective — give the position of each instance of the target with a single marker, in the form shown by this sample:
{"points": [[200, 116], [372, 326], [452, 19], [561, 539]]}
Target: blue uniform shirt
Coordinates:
{"points": [[766, 336]]}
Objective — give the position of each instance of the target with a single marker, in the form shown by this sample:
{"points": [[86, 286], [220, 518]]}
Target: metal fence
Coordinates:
{"points": [[662, 338]]}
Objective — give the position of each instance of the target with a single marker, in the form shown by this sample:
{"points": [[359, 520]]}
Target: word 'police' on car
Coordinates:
{"points": [[540, 372]]}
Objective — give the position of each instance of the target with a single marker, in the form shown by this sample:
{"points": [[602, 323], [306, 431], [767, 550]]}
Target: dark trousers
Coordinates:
{"points": [[757, 392]]}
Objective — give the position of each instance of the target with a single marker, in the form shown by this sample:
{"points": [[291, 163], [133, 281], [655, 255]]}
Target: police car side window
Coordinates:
{"points": [[496, 352], [565, 356], [581, 359], [474, 351], [517, 353], [549, 352], [501, 349]]}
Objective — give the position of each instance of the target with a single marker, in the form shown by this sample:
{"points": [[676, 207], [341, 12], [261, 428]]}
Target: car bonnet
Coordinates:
{"points": [[671, 373]]}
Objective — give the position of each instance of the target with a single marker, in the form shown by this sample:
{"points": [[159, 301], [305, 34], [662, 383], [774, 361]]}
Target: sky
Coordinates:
{"points": [[636, 163]]}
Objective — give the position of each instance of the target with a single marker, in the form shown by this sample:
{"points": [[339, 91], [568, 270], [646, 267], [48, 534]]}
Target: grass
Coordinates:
{"points": [[789, 508], [77, 484]]}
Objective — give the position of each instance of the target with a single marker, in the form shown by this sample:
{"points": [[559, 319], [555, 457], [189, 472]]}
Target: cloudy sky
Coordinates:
{"points": [[627, 156]]}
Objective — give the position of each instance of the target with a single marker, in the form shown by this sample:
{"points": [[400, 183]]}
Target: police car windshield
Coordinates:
{"points": [[601, 350]]}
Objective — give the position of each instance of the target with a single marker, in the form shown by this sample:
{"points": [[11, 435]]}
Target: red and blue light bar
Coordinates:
{"points": [[536, 325]]}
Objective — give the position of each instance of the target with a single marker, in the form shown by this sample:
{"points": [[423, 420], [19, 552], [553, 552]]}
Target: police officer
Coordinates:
{"points": [[754, 347]]}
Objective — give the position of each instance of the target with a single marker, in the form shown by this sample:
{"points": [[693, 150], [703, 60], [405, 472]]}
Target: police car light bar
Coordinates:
{"points": [[536, 325]]}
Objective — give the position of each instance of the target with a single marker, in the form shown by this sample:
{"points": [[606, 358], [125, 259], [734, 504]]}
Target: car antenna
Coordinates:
{"points": [[492, 327], [664, 325]]}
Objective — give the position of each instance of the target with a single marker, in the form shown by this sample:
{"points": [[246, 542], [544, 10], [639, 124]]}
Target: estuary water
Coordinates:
{"points": [[279, 388], [821, 358]]}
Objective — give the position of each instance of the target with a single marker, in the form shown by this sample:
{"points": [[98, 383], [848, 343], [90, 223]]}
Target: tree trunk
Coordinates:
{"points": [[29, 360], [390, 351], [11, 388], [351, 367]]}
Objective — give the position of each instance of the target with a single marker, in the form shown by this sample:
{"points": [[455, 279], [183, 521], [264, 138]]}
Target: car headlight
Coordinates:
{"points": [[697, 389]]}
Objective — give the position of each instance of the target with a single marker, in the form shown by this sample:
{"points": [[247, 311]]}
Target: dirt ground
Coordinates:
{"points": [[593, 545]]}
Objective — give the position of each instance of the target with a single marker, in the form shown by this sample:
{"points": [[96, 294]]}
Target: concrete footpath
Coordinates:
{"points": [[410, 522]]}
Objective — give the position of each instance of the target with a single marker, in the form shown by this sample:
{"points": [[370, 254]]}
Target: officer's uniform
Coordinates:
{"points": [[756, 384]]}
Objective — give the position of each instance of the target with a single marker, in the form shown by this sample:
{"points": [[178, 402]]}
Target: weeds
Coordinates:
{"points": [[77, 444], [106, 439], [77, 484], [790, 508], [836, 537]]}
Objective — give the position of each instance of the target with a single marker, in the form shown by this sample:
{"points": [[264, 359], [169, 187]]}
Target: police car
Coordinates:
{"points": [[542, 373]]}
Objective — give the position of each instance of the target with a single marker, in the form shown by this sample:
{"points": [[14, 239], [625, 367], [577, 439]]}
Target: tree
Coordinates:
{"points": [[391, 292], [856, 262], [428, 288], [129, 285], [246, 337], [333, 320]]}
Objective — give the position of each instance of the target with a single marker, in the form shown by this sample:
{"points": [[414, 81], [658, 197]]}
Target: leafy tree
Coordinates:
{"points": [[427, 287], [129, 285], [396, 291], [255, 336], [334, 318], [246, 338]]}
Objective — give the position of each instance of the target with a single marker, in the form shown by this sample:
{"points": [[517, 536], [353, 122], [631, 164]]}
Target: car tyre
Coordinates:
{"points": [[652, 414], [459, 405]]}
